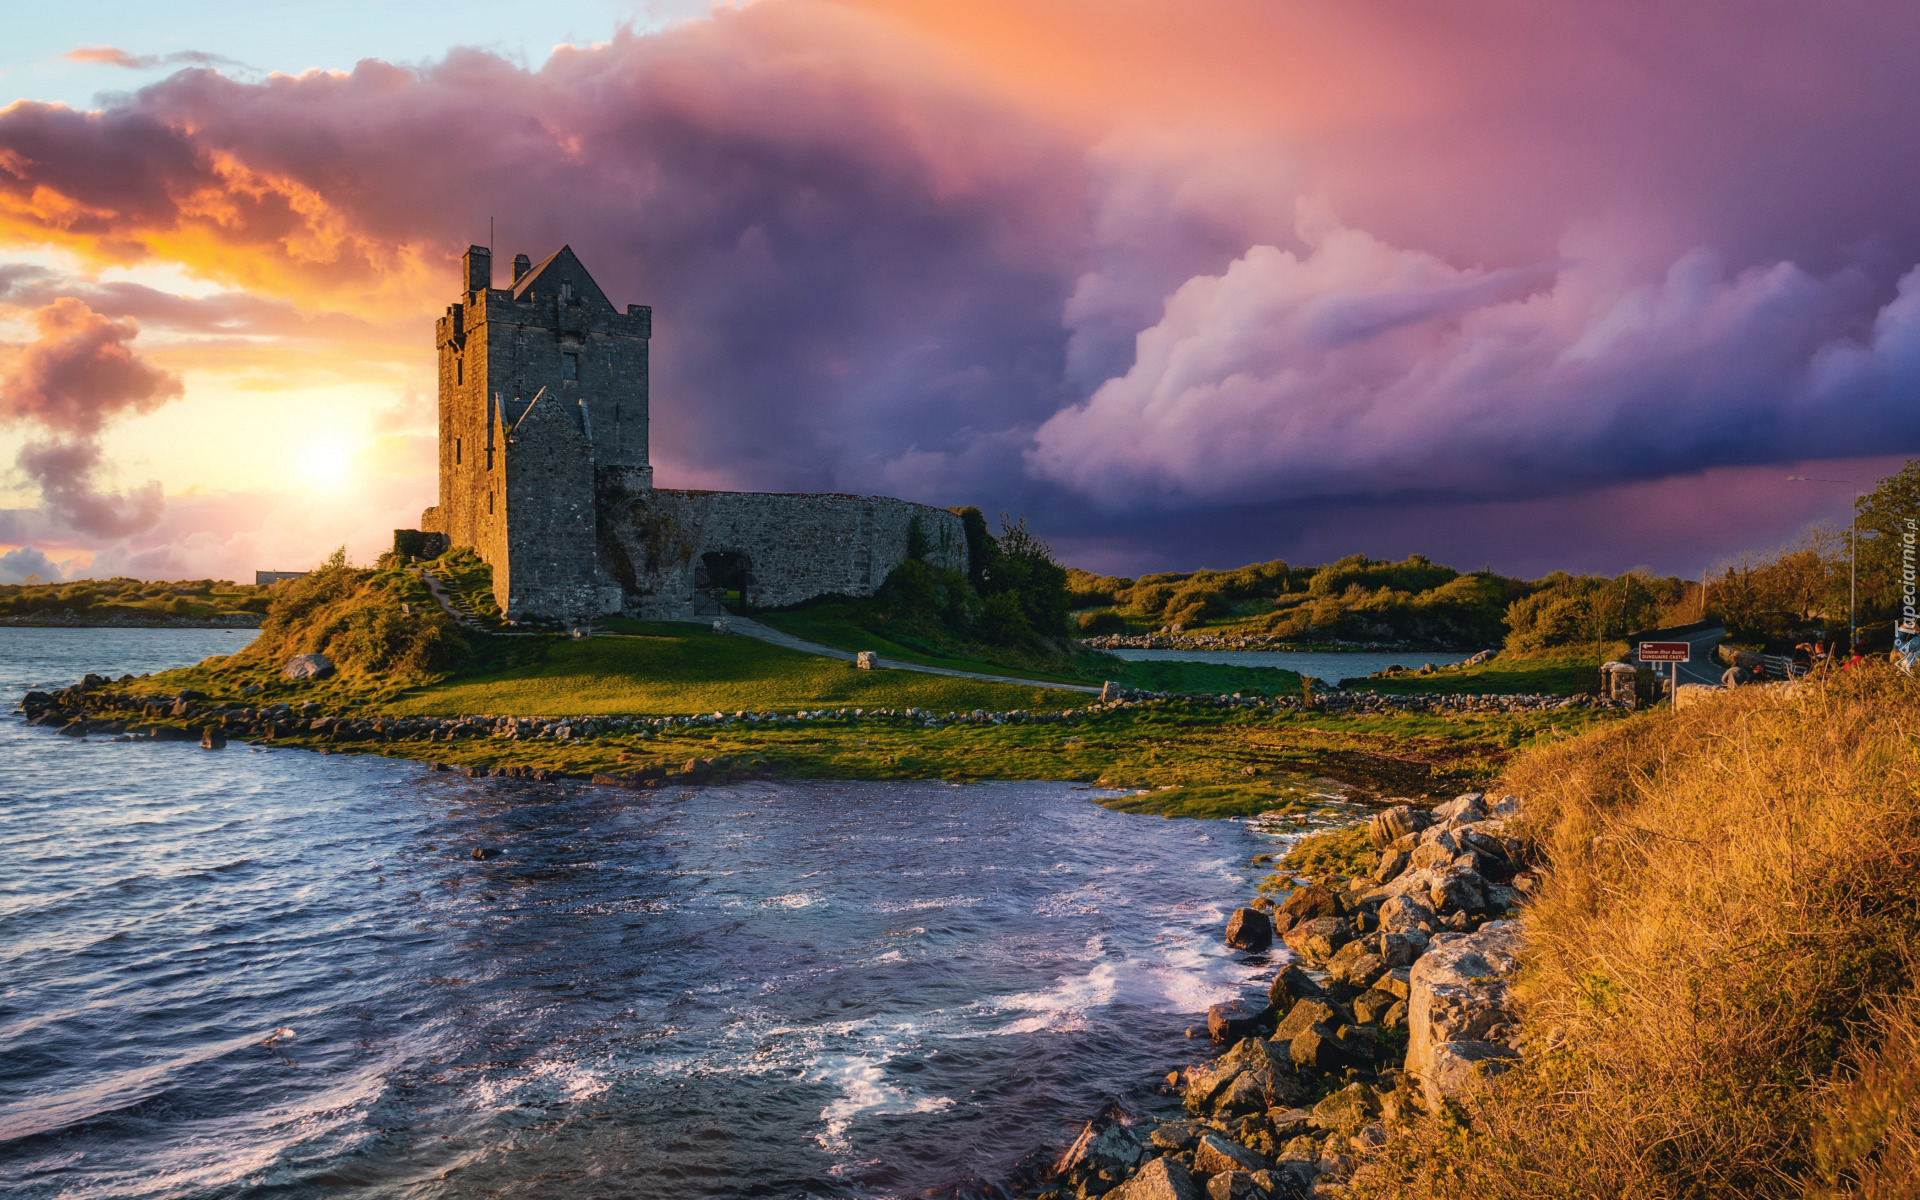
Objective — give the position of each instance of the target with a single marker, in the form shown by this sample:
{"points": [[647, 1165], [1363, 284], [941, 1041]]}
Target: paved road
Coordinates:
{"points": [[767, 633], [1703, 667]]}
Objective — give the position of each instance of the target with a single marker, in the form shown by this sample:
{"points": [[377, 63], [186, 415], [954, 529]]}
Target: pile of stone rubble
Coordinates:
{"points": [[1402, 1004]]}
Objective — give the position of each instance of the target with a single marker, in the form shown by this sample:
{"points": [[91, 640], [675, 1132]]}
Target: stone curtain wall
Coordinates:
{"points": [[793, 546]]}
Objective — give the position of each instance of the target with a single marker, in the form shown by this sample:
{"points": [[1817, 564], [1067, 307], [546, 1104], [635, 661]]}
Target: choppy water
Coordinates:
{"points": [[1329, 665], [242, 974]]}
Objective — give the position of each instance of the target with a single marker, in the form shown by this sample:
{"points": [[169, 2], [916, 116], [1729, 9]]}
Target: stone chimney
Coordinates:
{"points": [[478, 262], [521, 265]]}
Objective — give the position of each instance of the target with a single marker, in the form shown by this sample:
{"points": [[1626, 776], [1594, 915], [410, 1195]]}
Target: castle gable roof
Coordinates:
{"points": [[548, 418], [562, 266]]}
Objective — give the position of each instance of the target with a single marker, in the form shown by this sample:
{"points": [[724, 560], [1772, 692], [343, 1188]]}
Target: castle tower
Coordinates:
{"points": [[543, 392]]}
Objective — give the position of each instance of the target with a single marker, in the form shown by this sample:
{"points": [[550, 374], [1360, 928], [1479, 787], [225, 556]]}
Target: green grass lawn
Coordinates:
{"points": [[1554, 676], [659, 668], [831, 628], [1186, 678]]}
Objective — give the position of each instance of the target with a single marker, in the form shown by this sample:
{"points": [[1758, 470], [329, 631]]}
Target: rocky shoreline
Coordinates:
{"points": [[1394, 1002], [84, 709]]}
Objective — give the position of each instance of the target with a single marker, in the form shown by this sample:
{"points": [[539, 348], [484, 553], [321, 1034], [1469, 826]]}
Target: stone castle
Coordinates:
{"points": [[544, 473]]}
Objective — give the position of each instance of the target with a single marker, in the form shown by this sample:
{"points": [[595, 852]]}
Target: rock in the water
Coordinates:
{"points": [[307, 666], [1249, 929], [75, 728], [1161, 1179], [1458, 997], [1234, 1020], [1104, 1147], [213, 738], [1215, 1154], [1395, 823]]}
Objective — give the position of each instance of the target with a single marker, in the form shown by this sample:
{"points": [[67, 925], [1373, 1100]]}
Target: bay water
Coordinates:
{"points": [[251, 973]]}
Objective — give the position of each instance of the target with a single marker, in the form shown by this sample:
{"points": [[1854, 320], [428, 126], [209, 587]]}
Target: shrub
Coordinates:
{"points": [[1094, 624]]}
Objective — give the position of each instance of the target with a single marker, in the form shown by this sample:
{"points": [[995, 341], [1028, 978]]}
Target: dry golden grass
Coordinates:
{"points": [[1719, 987]]}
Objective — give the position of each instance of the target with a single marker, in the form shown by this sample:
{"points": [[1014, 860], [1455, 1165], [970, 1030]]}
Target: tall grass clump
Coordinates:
{"points": [[354, 617], [1719, 976]]}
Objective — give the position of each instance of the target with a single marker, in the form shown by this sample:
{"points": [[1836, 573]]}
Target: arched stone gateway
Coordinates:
{"points": [[544, 472]]}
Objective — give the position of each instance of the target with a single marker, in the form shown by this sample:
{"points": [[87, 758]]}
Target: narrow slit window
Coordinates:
{"points": [[489, 503], [456, 452], [459, 372], [569, 366], [566, 292]]}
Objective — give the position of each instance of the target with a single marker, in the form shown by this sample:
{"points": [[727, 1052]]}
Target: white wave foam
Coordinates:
{"points": [[864, 1092]]}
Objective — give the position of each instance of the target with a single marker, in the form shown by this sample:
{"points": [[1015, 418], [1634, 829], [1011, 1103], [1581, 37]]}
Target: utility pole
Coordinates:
{"points": [[1853, 556]]}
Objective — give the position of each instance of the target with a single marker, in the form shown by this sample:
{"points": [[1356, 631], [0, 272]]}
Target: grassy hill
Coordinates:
{"points": [[1721, 983]]}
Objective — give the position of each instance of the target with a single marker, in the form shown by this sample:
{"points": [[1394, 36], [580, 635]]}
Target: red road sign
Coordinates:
{"points": [[1668, 652]]}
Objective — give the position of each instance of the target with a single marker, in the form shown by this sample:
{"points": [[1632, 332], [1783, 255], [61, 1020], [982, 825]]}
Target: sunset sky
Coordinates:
{"points": [[1507, 283]]}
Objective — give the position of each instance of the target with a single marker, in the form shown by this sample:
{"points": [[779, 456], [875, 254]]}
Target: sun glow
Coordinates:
{"points": [[326, 463]]}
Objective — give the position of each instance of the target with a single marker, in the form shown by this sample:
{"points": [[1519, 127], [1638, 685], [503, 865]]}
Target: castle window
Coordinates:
{"points": [[569, 366], [566, 292], [456, 452], [489, 503], [459, 372]]}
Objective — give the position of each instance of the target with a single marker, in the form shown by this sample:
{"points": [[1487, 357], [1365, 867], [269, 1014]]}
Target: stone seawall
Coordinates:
{"points": [[667, 548]]}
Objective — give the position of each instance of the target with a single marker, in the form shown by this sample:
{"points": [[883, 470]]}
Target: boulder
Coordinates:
{"points": [[1346, 1110], [1249, 929], [1307, 904], [1306, 1014], [213, 738], [1235, 1185], [1459, 995], [1234, 1020], [1458, 891], [1173, 1135], [866, 660], [1404, 914], [1429, 856], [1456, 1068], [1401, 949], [1292, 984], [1391, 863], [1160, 1179], [1105, 1147], [1266, 1079], [1320, 1048], [1395, 823], [75, 728], [1319, 939], [1372, 1005], [1462, 809], [307, 666], [1213, 1154], [1357, 965]]}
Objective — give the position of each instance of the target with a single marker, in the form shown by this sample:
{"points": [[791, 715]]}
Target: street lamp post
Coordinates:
{"points": [[1853, 555]]}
